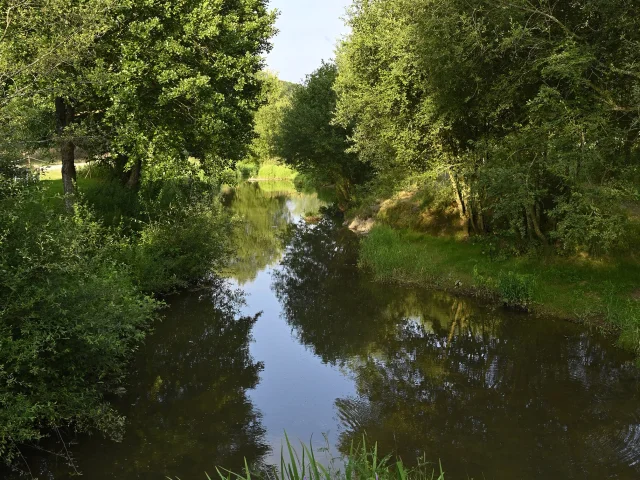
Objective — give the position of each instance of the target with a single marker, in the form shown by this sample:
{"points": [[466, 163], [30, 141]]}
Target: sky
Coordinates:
{"points": [[309, 31]]}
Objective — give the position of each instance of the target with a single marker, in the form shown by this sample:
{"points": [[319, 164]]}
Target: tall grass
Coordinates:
{"points": [[362, 463], [276, 171]]}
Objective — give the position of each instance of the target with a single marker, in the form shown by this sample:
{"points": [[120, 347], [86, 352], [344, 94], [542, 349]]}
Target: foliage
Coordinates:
{"points": [[71, 317], [180, 248], [247, 169], [516, 290], [310, 142], [522, 108], [276, 97], [147, 84]]}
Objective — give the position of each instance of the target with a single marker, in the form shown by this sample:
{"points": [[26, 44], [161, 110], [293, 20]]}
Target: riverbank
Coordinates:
{"points": [[602, 293]]}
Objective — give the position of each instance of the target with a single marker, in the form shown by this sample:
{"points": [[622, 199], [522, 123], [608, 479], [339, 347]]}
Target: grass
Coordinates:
{"points": [[276, 171], [112, 202], [362, 463], [604, 292]]}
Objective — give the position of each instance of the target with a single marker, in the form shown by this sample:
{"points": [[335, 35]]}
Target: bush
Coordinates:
{"points": [[594, 223], [180, 248], [70, 318], [247, 169]]}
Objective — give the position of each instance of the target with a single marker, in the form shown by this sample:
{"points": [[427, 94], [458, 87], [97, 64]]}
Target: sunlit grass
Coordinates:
{"points": [[605, 293], [276, 171]]}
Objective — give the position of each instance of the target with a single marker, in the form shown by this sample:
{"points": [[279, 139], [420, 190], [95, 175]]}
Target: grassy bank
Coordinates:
{"points": [[604, 292]]}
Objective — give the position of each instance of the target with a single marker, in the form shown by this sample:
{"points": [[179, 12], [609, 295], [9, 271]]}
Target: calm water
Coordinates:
{"points": [[320, 351]]}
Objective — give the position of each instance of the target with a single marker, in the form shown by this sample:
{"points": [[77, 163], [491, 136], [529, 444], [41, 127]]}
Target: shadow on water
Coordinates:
{"points": [[492, 394], [187, 403]]}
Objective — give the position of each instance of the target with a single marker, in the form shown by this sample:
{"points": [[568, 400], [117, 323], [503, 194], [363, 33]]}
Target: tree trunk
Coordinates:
{"points": [[535, 223], [119, 165], [64, 118], [460, 202], [470, 215], [529, 225], [134, 175], [481, 226]]}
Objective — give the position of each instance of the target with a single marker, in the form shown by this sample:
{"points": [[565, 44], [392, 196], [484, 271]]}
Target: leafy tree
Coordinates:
{"points": [[140, 84], [268, 119], [521, 107], [310, 142]]}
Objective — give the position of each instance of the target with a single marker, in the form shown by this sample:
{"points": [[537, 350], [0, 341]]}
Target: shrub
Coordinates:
{"points": [[180, 248], [70, 318], [516, 289], [594, 223], [247, 169]]}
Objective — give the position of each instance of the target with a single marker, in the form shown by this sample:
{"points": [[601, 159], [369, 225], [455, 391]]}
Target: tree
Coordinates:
{"points": [[140, 84], [517, 105], [268, 119], [310, 141], [43, 47]]}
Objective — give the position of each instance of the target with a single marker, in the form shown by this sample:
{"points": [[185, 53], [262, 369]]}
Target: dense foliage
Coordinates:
{"points": [[163, 95], [526, 112], [70, 317], [137, 85], [310, 142], [276, 98]]}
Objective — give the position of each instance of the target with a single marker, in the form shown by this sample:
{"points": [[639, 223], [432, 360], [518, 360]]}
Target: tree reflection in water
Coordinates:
{"points": [[188, 409], [489, 393], [264, 211]]}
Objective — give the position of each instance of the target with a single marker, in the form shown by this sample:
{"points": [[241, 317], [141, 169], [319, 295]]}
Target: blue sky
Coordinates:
{"points": [[309, 31]]}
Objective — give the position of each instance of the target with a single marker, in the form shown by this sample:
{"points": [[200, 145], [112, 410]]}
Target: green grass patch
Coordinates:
{"points": [[603, 291], [276, 171]]}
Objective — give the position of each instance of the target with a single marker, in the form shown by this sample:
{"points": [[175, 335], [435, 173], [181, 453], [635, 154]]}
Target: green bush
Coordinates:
{"points": [[70, 318], [247, 168], [180, 248], [516, 289], [594, 223]]}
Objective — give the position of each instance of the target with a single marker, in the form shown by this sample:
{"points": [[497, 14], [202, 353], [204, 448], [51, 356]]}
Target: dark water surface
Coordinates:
{"points": [[319, 349]]}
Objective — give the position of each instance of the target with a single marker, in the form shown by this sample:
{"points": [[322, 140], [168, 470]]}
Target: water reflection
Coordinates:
{"points": [[187, 408], [264, 210], [491, 394]]}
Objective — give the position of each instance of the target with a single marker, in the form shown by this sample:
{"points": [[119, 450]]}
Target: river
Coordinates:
{"points": [[300, 340]]}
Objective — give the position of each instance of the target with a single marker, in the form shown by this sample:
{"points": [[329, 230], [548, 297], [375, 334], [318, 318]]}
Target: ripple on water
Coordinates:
{"points": [[619, 444]]}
